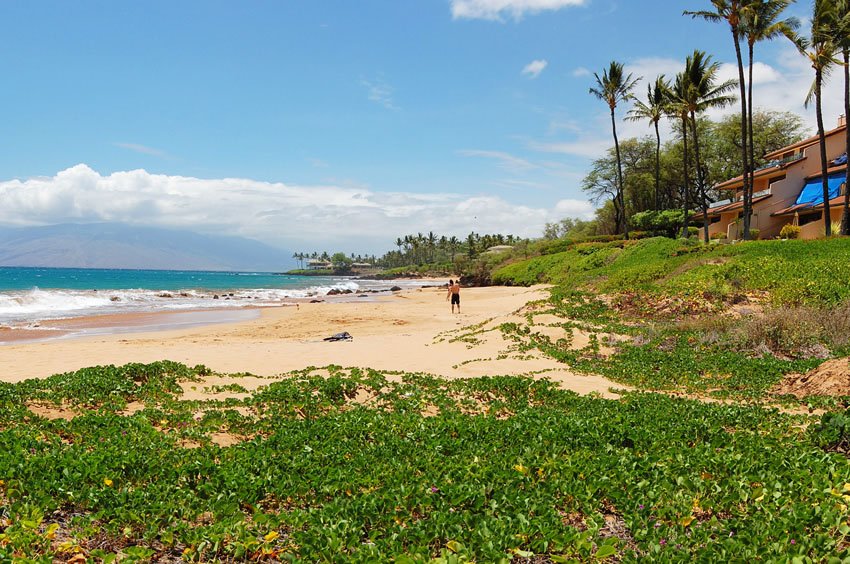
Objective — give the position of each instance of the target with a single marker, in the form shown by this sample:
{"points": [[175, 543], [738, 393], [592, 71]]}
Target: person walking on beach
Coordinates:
{"points": [[454, 294]]}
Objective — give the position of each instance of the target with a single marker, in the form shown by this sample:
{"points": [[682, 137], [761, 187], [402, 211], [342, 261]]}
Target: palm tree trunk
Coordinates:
{"points": [[752, 162], [687, 190], [744, 161], [623, 223], [845, 217], [827, 220], [658, 165], [700, 180]]}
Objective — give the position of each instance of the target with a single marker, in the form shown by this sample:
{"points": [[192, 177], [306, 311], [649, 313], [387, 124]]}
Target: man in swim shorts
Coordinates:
{"points": [[454, 294]]}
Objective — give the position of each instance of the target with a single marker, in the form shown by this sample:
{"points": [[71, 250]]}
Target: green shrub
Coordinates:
{"points": [[718, 235], [833, 431], [790, 231]]}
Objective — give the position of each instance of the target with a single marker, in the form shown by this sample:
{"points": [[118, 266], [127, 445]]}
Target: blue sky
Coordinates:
{"points": [[337, 122]]}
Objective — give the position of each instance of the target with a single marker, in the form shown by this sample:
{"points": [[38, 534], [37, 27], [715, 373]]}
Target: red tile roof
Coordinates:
{"points": [[790, 210]]}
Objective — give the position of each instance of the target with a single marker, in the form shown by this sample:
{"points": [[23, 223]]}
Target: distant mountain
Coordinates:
{"points": [[115, 245]]}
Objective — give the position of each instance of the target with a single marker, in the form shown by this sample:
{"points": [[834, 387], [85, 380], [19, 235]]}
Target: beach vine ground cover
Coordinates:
{"points": [[344, 465]]}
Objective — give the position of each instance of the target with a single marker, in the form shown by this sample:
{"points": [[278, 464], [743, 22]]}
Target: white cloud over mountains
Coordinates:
{"points": [[498, 9], [350, 219]]}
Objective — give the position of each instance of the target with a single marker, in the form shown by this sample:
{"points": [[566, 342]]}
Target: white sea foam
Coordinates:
{"points": [[29, 306]]}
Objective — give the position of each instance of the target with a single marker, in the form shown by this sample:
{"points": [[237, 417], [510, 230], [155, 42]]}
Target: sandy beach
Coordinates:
{"points": [[410, 331]]}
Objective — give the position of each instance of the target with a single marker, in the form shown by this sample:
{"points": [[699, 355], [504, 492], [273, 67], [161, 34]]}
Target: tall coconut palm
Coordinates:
{"points": [[653, 110], [761, 21], [729, 12], [612, 88], [841, 36], [677, 109], [820, 48], [703, 92]]}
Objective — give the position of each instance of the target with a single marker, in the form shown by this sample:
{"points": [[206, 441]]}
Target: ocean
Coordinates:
{"points": [[31, 295]]}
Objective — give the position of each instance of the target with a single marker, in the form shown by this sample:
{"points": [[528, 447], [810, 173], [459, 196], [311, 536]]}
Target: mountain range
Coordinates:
{"points": [[117, 245]]}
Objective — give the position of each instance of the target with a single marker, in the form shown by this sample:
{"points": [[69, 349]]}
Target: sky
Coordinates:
{"points": [[332, 124]]}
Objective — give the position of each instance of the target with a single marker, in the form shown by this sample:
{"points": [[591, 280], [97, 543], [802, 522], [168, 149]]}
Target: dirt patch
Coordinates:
{"points": [[132, 408], [222, 387], [52, 412], [832, 378], [226, 439]]}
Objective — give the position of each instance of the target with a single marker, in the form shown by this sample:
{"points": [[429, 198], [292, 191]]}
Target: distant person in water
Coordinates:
{"points": [[454, 294]]}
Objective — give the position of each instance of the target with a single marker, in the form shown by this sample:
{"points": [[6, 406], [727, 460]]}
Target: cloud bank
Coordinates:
{"points": [[349, 219]]}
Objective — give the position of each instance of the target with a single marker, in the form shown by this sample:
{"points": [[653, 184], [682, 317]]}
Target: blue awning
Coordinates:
{"points": [[812, 192]]}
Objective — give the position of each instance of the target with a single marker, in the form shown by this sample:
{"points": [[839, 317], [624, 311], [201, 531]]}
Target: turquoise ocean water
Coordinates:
{"points": [[29, 295]]}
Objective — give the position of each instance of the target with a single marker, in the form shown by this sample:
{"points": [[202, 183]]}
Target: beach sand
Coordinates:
{"points": [[410, 331]]}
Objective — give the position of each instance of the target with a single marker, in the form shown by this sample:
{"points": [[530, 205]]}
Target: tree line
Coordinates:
{"points": [[697, 88], [418, 249]]}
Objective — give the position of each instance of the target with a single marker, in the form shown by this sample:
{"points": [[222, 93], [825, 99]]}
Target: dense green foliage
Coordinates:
{"points": [[793, 272], [507, 468]]}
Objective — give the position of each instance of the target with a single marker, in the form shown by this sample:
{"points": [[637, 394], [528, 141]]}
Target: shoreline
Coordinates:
{"points": [[154, 319], [409, 331]]}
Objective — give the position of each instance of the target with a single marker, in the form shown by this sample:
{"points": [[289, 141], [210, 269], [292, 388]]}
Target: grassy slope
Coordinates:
{"points": [[810, 272]]}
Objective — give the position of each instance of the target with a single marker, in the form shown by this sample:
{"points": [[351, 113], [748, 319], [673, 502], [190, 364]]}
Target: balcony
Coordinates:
{"points": [[728, 201]]}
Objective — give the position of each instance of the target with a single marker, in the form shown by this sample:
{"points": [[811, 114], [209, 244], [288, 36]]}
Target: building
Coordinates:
{"points": [[787, 190], [318, 264]]}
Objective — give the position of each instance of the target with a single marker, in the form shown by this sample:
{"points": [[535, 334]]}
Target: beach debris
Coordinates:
{"points": [[344, 336]]}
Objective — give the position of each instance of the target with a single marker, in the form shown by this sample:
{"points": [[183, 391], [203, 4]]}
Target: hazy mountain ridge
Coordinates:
{"points": [[115, 245]]}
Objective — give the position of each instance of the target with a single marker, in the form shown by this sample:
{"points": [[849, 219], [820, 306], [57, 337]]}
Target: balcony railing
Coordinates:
{"points": [[727, 201]]}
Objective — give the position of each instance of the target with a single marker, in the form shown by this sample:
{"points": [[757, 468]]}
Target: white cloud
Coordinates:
{"points": [[506, 160], [380, 92], [581, 209], [581, 71], [534, 68], [351, 219], [496, 9], [762, 73], [142, 149], [592, 148]]}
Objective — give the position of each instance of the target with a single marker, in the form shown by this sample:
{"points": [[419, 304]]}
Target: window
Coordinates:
{"points": [[777, 179], [810, 218]]}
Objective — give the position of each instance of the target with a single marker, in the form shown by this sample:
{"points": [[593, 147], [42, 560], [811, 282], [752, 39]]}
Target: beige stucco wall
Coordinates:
{"points": [[815, 229], [785, 192]]}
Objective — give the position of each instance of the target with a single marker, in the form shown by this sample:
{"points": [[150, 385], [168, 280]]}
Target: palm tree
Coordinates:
{"points": [[432, 243], [761, 22], [841, 36], [729, 11], [820, 50], [677, 108], [703, 93], [615, 87], [454, 243], [653, 110]]}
